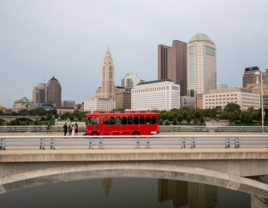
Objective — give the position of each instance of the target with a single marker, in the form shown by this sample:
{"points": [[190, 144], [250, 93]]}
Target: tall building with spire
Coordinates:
{"points": [[53, 92], [107, 83]]}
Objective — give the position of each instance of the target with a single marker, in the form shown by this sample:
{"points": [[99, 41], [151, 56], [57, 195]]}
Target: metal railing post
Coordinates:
{"points": [[137, 143], [90, 143], [237, 145], [2, 144], [100, 143], [193, 143], [147, 143], [183, 143], [41, 146], [227, 143], [52, 144]]}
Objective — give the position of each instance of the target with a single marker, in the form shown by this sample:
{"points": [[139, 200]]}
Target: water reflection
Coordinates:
{"points": [[107, 183], [182, 193]]}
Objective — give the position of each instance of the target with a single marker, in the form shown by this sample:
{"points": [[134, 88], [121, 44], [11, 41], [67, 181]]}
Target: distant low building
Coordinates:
{"points": [[45, 105], [99, 104], [187, 101], [9, 110], [243, 97], [3, 109], [62, 110], [23, 104], [156, 95], [68, 103], [221, 85]]}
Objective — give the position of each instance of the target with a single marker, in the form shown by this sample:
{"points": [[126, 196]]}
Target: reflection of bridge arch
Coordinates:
{"points": [[19, 175]]}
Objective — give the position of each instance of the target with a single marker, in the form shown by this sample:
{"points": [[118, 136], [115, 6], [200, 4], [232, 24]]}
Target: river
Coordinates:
{"points": [[126, 192]]}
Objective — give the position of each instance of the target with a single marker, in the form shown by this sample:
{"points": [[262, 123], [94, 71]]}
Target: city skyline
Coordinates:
{"points": [[73, 53]]}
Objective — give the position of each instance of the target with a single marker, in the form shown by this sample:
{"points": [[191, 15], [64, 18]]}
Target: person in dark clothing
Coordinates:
{"points": [[65, 129], [76, 129], [70, 129]]}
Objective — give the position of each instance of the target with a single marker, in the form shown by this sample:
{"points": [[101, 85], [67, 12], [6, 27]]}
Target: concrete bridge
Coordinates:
{"points": [[221, 167], [22, 118]]}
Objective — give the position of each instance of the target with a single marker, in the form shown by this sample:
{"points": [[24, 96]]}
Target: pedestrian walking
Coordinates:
{"points": [[70, 129], [65, 129], [76, 129]]}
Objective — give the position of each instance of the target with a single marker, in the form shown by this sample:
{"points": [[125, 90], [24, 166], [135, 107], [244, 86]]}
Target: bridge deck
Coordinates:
{"points": [[132, 155]]}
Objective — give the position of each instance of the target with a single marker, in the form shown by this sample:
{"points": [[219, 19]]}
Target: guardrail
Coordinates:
{"points": [[137, 142], [173, 128]]}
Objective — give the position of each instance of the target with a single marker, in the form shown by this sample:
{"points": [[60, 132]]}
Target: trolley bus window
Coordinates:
{"points": [[111, 120], [90, 121], [105, 121], [148, 120], [153, 120], [129, 120], [96, 121], [118, 121], [141, 120], [124, 120], [136, 120]]}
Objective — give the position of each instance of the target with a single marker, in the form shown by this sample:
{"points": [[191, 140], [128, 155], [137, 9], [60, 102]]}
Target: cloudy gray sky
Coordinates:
{"points": [[69, 39]]}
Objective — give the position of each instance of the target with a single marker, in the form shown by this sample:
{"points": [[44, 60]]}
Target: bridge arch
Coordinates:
{"points": [[54, 173]]}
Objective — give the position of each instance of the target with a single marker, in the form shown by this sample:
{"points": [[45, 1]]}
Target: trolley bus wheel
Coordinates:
{"points": [[136, 133], [94, 133], [85, 134]]}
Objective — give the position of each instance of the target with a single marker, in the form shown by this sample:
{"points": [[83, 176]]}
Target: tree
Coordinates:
{"points": [[170, 117], [56, 116], [13, 123], [195, 121], [187, 109], [231, 107], [213, 113], [174, 121], [43, 118], [184, 115], [255, 115], [197, 114], [36, 122], [160, 122], [250, 110], [248, 119], [180, 118], [79, 118], [231, 119], [235, 115], [218, 109], [71, 117], [17, 122], [167, 123], [188, 119], [201, 120], [224, 115]]}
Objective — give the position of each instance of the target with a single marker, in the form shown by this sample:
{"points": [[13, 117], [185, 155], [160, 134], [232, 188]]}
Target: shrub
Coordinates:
{"points": [[188, 119], [231, 119], [167, 123], [43, 118], [174, 121], [36, 122], [195, 121], [257, 124], [17, 122]]}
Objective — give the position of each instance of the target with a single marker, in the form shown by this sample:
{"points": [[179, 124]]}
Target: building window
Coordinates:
{"points": [[105, 121], [96, 121], [118, 121], [129, 121], [124, 120], [90, 121], [136, 120], [148, 120], [153, 120], [111, 120]]}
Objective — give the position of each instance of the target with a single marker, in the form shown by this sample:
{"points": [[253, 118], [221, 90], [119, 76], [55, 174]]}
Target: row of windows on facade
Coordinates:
{"points": [[209, 50], [155, 89], [123, 121]]}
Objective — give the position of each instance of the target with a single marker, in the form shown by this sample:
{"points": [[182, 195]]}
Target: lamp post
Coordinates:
{"points": [[262, 111]]}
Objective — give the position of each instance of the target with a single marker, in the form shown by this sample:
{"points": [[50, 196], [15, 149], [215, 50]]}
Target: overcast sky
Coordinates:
{"points": [[69, 39]]}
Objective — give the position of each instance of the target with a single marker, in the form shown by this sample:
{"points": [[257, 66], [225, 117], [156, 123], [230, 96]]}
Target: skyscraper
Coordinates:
{"points": [[53, 92], [107, 83], [172, 64], [39, 93], [221, 85], [249, 76], [201, 65]]}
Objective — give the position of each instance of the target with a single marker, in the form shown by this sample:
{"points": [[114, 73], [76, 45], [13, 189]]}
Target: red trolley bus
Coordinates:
{"points": [[122, 123]]}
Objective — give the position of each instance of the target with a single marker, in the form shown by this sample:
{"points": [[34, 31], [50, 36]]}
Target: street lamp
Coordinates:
{"points": [[262, 111]]}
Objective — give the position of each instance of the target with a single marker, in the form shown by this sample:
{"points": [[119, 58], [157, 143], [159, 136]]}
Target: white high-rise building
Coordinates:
{"points": [[201, 65], [156, 95]]}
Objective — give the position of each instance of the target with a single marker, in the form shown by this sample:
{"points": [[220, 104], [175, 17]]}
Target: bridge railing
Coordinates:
{"points": [[137, 142], [163, 128]]}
